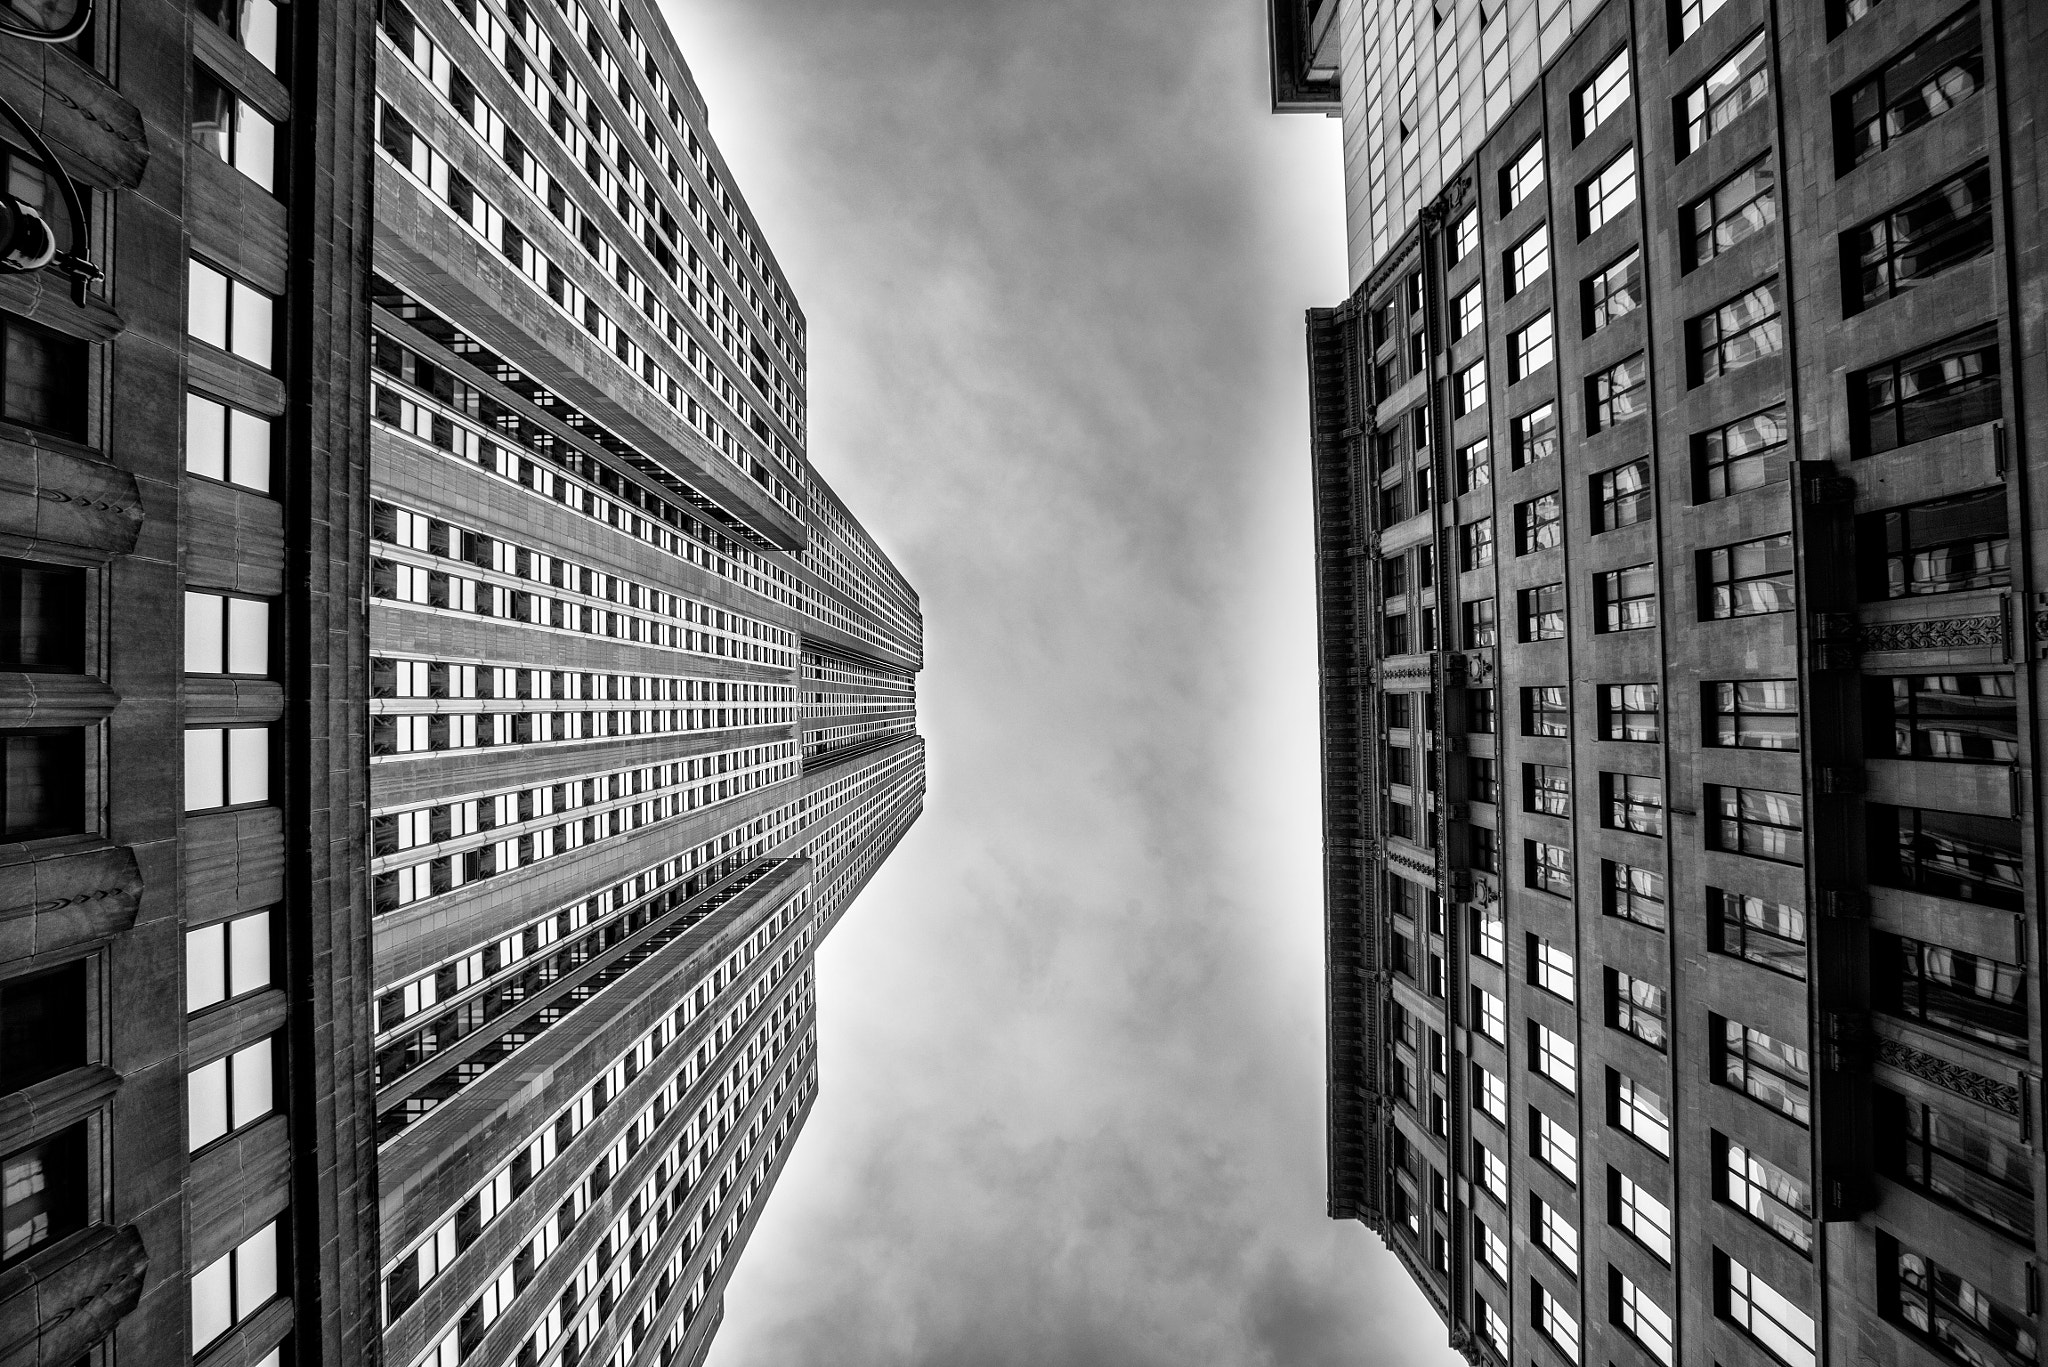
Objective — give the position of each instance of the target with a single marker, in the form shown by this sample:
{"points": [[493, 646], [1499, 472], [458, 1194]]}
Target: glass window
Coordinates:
{"points": [[252, 23], [1529, 348], [1475, 544], [1611, 190], [1759, 1310], [1736, 210], [1482, 783], [1745, 454], [1959, 1321], [43, 1026], [1468, 311], [1553, 1145], [1480, 629], [226, 313], [1970, 718], [1633, 802], [235, 1287], [1521, 176], [1613, 292], [1768, 1194], [1554, 1321], [1535, 436], [1550, 967], [1948, 854], [1636, 1110], [230, 128], [1629, 712], [1621, 496], [1943, 388], [1617, 394], [43, 1193], [229, 1093], [44, 383], [1464, 235], [1749, 579], [226, 959], [1635, 894], [1754, 714], [1546, 711], [226, 635], [1491, 1249], [1475, 466], [44, 783], [1918, 240], [1763, 932], [1693, 13], [1479, 710], [1756, 821], [1965, 994], [1539, 524], [42, 617], [1626, 598], [1641, 1318], [1543, 613], [1739, 333], [1921, 84], [1647, 1219], [1489, 1013], [1942, 546], [226, 444], [1528, 260], [1470, 394], [1489, 934], [1554, 1233], [1636, 1006], [1956, 1161], [1728, 90], [1768, 1070], [1601, 96], [1546, 788]]}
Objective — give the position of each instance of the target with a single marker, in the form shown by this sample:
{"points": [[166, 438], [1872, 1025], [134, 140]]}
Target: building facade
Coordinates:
{"points": [[643, 694], [1676, 500], [184, 1139]]}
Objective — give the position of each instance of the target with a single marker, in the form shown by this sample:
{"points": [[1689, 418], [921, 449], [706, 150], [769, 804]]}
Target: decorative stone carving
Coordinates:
{"points": [[1934, 633], [1953, 1077]]}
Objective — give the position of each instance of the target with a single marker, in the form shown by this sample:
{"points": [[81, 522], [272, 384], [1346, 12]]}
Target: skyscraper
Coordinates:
{"points": [[1675, 500], [643, 694]]}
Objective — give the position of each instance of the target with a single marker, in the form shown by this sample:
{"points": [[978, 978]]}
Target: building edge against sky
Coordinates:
{"points": [[1675, 507]]}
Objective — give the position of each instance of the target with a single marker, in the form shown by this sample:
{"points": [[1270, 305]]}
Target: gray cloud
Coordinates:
{"points": [[1054, 254]]}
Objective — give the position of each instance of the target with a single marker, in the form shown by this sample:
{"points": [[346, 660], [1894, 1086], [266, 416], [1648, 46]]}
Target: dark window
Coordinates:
{"points": [[1635, 894], [1771, 1071], [1543, 613], [1612, 293], [1394, 576], [1479, 710], [1944, 546], [1950, 989], [1637, 1007], [42, 1193], [1546, 788], [1733, 212], [1632, 802], [1926, 81], [1739, 333], [1754, 714], [1393, 505], [1549, 867], [1920, 239], [1401, 820], [1621, 496], [1480, 628], [1400, 711], [1539, 524], [1617, 394], [1956, 1319], [1763, 932], [1756, 821], [44, 794], [1963, 717], [1948, 854], [1944, 388], [1747, 579], [1397, 634], [1629, 711], [1626, 598], [44, 383], [1745, 454], [42, 1026], [1484, 847], [1960, 1164], [1546, 711], [42, 617], [1482, 781], [1535, 436], [1400, 765], [1475, 544]]}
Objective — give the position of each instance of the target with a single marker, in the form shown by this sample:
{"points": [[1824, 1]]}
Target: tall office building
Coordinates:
{"points": [[642, 716], [1676, 499], [184, 1138]]}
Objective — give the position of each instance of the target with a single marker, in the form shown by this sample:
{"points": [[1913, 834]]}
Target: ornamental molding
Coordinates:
{"points": [[1934, 633], [1410, 862], [1953, 1077], [1411, 668]]}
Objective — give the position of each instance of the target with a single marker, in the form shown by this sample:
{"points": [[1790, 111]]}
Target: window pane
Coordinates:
{"points": [[205, 768], [206, 429], [252, 319], [212, 1304], [249, 450], [248, 636], [252, 1083], [204, 643], [249, 764], [256, 1271], [249, 953], [206, 311], [205, 966], [206, 1104]]}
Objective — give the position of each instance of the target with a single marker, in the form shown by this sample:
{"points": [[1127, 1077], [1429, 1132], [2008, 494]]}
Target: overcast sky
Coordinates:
{"points": [[1055, 255]]}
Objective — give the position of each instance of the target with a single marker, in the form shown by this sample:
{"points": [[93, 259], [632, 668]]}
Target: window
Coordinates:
{"points": [[1921, 84], [1550, 967], [226, 313], [1529, 348], [1489, 934], [1626, 598], [235, 1287], [1549, 1316], [230, 128], [1546, 711], [1489, 1013], [1546, 788], [1748, 579], [1400, 765], [1731, 213], [1956, 717], [1480, 630], [1728, 89], [1552, 1232], [1959, 1321], [1490, 1248], [1481, 780], [226, 959], [252, 23], [1636, 1006], [1972, 995], [1521, 176], [1394, 576], [229, 1093], [1617, 394], [1768, 1070], [1464, 235], [1763, 932], [1633, 802], [1768, 1194], [1611, 293], [1535, 436], [1751, 1305], [1482, 850], [1745, 454], [1491, 1325], [1539, 524], [1491, 1170], [1399, 710], [226, 766], [1943, 546], [1918, 240], [43, 1026], [1635, 894], [1641, 1318], [1754, 714], [1637, 1110], [1629, 712], [42, 618], [1957, 1162], [1479, 717], [1601, 96], [1943, 388], [1542, 612], [1490, 1093], [1739, 333], [227, 444], [42, 1193], [226, 635], [1611, 190], [1554, 1056], [1393, 504], [1471, 388], [42, 378], [1527, 261], [1475, 466], [1475, 544], [1396, 631], [1757, 822], [1948, 854], [1693, 13], [44, 792], [1468, 311]]}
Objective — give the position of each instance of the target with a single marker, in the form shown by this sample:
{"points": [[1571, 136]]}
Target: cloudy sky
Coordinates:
{"points": [[1055, 255]]}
